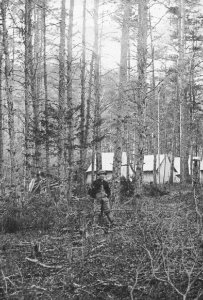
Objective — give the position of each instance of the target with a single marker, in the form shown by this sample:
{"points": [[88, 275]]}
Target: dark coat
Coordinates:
{"points": [[97, 186]]}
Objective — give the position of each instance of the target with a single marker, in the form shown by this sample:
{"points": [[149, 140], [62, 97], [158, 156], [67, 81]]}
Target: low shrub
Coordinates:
{"points": [[11, 220], [154, 190], [127, 187], [39, 213]]}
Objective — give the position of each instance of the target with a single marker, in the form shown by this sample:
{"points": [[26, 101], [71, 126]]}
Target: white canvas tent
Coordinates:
{"points": [[177, 168], [107, 165], [162, 167]]}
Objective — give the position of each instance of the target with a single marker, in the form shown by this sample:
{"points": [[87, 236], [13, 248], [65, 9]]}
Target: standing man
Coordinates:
{"points": [[35, 185], [101, 192]]}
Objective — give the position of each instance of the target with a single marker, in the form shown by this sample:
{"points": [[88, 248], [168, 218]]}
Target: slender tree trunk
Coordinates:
{"points": [[70, 101], [141, 67], [193, 124], [127, 146], [27, 69], [1, 108], [97, 87], [34, 73], [27, 36], [121, 100], [46, 90], [128, 120], [89, 97], [173, 153], [9, 93], [184, 132], [82, 109], [175, 117], [88, 117], [61, 117], [154, 134], [93, 165], [37, 79]]}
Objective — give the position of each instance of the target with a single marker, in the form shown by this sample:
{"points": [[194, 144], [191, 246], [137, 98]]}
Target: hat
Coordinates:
{"points": [[101, 172]]}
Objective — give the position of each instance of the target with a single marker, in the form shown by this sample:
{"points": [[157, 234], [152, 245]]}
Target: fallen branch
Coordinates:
{"points": [[38, 287], [36, 261]]}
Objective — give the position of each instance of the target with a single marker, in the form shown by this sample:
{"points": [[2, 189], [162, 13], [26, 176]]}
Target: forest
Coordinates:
{"points": [[91, 85]]}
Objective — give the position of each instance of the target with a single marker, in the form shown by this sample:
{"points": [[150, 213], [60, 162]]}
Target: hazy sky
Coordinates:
{"points": [[110, 47], [111, 32]]}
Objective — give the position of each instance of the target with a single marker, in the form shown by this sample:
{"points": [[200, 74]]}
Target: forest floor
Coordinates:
{"points": [[153, 252]]}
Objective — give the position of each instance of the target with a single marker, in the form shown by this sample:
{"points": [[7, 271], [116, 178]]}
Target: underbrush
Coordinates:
{"points": [[41, 212], [37, 213], [153, 252]]}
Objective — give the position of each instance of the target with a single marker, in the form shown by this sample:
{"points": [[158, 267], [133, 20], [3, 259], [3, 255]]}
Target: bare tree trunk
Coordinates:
{"points": [[31, 69], [82, 109], [175, 116], [70, 102], [128, 120], [93, 165], [193, 128], [88, 116], [9, 93], [172, 155], [46, 90], [121, 100], [1, 107], [127, 146], [97, 88], [154, 134], [61, 117], [184, 132], [2, 188], [27, 100], [37, 82], [141, 66], [154, 167], [89, 97]]}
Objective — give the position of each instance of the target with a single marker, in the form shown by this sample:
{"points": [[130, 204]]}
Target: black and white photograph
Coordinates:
{"points": [[101, 149]]}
